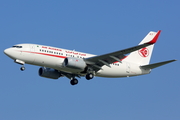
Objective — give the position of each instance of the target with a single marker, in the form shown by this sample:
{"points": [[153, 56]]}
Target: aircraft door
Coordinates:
{"points": [[27, 54], [31, 48]]}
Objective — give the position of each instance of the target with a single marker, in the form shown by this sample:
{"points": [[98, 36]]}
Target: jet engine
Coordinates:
{"points": [[74, 63], [49, 73]]}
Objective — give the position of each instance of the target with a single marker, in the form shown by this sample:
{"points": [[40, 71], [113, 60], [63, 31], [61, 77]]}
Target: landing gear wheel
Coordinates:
{"points": [[22, 68], [89, 76], [74, 81]]}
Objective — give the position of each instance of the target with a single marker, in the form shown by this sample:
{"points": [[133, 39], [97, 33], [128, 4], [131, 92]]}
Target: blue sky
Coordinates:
{"points": [[96, 27]]}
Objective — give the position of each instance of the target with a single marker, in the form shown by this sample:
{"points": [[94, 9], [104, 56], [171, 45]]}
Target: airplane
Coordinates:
{"points": [[58, 62]]}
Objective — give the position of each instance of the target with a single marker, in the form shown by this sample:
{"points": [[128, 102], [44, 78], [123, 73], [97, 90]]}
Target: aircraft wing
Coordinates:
{"points": [[98, 61]]}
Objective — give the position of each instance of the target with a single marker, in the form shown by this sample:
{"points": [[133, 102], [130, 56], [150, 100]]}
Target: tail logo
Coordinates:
{"points": [[144, 52]]}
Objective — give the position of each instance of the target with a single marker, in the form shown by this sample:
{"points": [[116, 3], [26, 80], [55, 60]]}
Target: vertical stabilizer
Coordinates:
{"points": [[143, 55]]}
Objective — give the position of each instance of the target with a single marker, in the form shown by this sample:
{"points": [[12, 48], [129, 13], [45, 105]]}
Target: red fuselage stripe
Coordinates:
{"points": [[58, 55]]}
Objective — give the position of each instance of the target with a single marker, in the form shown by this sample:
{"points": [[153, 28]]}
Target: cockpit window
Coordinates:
{"points": [[15, 46]]}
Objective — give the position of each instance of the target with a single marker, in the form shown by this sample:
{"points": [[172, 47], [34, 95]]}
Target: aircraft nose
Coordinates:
{"points": [[10, 53], [6, 51]]}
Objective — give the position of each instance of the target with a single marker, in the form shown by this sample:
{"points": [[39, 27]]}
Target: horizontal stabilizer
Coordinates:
{"points": [[152, 66]]}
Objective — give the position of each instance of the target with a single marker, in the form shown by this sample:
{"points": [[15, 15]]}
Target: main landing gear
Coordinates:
{"points": [[89, 76], [74, 81]]}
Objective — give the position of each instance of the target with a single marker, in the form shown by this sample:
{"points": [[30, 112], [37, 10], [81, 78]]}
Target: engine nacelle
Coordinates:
{"points": [[74, 63], [49, 73]]}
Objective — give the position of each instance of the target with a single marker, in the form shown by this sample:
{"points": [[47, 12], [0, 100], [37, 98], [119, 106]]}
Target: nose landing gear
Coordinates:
{"points": [[21, 63], [22, 68]]}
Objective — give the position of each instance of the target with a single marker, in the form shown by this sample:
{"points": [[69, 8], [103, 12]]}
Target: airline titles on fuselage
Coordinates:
{"points": [[68, 53]]}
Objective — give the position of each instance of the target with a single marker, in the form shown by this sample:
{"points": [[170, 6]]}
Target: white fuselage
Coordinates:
{"points": [[52, 57]]}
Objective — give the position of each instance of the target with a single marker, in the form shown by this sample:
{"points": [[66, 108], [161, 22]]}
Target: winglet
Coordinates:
{"points": [[155, 38]]}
